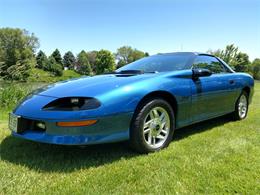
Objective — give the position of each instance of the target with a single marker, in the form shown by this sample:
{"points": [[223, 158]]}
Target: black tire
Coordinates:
{"points": [[236, 114], [137, 137]]}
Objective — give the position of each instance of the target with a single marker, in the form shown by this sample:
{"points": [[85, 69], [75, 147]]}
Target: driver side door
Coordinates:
{"points": [[208, 93]]}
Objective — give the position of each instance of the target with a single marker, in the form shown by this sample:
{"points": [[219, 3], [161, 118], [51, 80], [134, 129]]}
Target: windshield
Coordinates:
{"points": [[159, 63]]}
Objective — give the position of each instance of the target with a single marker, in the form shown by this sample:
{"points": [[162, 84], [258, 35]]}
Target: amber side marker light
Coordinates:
{"points": [[76, 123]]}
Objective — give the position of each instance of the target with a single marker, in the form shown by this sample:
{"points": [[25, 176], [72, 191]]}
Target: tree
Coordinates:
{"points": [[41, 60], [231, 55], [123, 54], [105, 62], [256, 68], [17, 49], [136, 55], [241, 62], [55, 68], [127, 54], [83, 66], [92, 59], [69, 60], [57, 56]]}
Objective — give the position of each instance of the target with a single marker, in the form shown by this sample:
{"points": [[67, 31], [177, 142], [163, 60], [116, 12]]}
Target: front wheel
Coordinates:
{"points": [[152, 126], [241, 107]]}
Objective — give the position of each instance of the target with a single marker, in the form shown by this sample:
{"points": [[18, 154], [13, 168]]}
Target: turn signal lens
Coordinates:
{"points": [[76, 123]]}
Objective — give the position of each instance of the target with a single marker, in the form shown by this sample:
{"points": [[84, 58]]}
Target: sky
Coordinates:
{"points": [[154, 26]]}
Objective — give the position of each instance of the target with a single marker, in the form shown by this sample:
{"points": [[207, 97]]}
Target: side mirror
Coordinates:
{"points": [[196, 73]]}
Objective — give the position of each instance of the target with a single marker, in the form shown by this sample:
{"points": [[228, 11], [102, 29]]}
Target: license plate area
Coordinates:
{"points": [[14, 122]]}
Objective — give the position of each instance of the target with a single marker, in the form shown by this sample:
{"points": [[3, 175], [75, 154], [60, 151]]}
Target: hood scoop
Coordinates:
{"points": [[128, 73]]}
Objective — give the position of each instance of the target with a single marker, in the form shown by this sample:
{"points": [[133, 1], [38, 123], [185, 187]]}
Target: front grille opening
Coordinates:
{"points": [[33, 125]]}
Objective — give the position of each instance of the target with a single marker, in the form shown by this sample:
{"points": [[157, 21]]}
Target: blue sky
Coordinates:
{"points": [[149, 25]]}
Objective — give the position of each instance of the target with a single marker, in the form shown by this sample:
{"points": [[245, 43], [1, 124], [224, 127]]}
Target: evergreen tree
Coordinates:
{"points": [[69, 60], [41, 60], [57, 56]]}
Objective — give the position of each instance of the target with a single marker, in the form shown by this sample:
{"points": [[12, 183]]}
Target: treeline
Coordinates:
{"points": [[88, 63], [18, 57]]}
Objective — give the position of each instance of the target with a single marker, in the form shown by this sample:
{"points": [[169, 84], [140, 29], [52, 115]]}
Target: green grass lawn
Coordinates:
{"points": [[214, 157]]}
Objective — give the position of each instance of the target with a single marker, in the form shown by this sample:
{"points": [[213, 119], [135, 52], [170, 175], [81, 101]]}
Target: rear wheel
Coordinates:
{"points": [[241, 107], [152, 126]]}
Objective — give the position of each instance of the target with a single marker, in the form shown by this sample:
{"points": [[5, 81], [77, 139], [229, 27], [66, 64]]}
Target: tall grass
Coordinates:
{"points": [[11, 95]]}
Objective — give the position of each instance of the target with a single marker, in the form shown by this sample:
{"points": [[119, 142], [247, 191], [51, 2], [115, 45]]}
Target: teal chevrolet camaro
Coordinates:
{"points": [[142, 102]]}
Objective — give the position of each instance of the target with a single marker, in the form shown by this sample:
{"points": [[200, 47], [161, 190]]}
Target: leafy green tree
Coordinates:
{"points": [[17, 49], [123, 54], [228, 54], [127, 54], [41, 60], [256, 68], [83, 66], [57, 56], [69, 60], [241, 62], [105, 62], [231, 55], [136, 55], [55, 68]]}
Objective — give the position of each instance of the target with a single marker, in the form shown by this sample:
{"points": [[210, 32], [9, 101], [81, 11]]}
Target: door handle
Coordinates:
{"points": [[231, 82]]}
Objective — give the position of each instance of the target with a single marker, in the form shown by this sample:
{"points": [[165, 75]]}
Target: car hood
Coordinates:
{"points": [[90, 86]]}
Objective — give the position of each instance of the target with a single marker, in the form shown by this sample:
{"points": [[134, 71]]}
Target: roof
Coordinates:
{"points": [[185, 53]]}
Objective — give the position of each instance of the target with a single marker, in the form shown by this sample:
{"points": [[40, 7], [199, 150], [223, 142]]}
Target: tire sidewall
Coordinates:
{"points": [[138, 122], [237, 106]]}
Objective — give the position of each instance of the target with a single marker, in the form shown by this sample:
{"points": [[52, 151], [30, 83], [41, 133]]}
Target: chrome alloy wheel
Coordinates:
{"points": [[242, 106], [156, 127]]}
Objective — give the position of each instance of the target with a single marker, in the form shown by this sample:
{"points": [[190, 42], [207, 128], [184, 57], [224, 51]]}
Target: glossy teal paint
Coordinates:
{"points": [[105, 130], [197, 100]]}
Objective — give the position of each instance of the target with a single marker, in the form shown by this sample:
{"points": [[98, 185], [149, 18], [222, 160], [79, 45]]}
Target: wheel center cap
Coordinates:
{"points": [[155, 127]]}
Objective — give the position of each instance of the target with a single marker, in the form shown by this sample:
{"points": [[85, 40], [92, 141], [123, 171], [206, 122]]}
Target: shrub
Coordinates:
{"points": [[55, 68]]}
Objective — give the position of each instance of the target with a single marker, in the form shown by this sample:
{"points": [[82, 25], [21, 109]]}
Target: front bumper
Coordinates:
{"points": [[108, 129], [72, 139]]}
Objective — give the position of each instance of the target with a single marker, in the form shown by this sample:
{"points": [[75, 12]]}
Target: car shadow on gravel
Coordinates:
{"points": [[55, 158]]}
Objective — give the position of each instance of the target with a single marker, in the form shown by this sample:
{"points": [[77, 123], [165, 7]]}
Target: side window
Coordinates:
{"points": [[210, 63]]}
